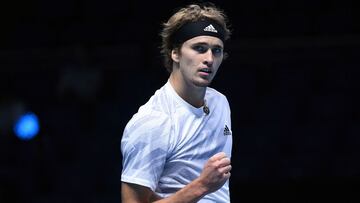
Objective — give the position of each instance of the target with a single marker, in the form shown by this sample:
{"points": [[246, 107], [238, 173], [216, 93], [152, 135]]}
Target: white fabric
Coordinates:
{"points": [[167, 142]]}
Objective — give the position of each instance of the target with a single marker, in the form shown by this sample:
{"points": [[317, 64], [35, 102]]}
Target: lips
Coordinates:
{"points": [[206, 70]]}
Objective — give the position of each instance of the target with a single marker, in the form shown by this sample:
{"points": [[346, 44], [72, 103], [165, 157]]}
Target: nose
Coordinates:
{"points": [[209, 58]]}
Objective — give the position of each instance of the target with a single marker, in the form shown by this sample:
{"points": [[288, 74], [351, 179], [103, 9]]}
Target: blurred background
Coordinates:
{"points": [[72, 73]]}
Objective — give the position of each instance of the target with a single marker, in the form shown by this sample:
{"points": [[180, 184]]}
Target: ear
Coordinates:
{"points": [[175, 55]]}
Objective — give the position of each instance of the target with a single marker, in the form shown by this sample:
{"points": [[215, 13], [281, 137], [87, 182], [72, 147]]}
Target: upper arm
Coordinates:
{"points": [[144, 147], [133, 193]]}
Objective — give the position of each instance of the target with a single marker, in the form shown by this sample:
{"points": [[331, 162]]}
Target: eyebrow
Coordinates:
{"points": [[207, 44]]}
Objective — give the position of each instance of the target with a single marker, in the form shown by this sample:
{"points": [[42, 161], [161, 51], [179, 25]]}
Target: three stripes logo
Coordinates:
{"points": [[227, 131], [210, 28]]}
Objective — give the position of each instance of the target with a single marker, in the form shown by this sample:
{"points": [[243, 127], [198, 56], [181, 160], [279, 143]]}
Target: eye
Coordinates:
{"points": [[217, 51], [200, 48]]}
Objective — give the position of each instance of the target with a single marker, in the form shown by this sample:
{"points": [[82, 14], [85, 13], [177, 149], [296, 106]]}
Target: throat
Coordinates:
{"points": [[195, 98], [196, 102], [190, 93]]}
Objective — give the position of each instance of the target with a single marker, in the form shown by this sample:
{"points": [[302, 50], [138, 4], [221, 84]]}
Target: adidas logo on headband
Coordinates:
{"points": [[210, 28], [207, 27]]}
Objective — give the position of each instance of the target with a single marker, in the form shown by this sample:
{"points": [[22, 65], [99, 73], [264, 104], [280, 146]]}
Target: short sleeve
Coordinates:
{"points": [[144, 148]]}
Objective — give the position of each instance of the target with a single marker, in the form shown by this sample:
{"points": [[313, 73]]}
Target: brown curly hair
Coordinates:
{"points": [[190, 13]]}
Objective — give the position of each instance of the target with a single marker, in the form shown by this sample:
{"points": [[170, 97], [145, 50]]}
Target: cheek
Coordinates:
{"points": [[218, 63], [190, 61], [216, 67]]}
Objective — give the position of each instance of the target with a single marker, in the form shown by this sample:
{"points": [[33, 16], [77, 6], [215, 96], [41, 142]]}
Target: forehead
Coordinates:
{"points": [[210, 40]]}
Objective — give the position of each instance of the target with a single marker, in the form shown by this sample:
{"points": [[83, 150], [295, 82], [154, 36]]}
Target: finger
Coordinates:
{"points": [[227, 175], [218, 156], [225, 169], [224, 162]]}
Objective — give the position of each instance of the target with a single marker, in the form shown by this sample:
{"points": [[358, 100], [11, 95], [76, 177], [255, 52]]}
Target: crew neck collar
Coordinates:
{"points": [[197, 111]]}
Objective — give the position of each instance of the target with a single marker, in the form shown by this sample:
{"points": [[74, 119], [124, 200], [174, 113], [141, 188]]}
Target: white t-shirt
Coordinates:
{"points": [[167, 142]]}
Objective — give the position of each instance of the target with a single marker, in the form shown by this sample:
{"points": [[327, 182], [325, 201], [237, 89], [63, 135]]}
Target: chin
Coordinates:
{"points": [[202, 83]]}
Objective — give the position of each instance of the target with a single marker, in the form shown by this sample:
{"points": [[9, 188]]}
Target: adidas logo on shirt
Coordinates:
{"points": [[227, 131], [210, 28]]}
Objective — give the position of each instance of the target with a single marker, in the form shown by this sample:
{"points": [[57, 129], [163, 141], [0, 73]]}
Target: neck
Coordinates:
{"points": [[189, 92]]}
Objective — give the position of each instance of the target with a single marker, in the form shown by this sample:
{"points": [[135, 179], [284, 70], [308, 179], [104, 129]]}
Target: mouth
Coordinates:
{"points": [[206, 70]]}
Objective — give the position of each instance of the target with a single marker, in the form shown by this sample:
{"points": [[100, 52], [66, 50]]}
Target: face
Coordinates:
{"points": [[198, 60]]}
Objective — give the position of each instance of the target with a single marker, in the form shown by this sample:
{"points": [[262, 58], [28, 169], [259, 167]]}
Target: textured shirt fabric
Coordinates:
{"points": [[167, 142]]}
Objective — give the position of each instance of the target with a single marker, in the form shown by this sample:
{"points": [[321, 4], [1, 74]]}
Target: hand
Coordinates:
{"points": [[215, 172]]}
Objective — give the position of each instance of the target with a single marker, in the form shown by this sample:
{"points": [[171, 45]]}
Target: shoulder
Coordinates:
{"points": [[150, 130], [214, 94], [152, 112], [146, 120]]}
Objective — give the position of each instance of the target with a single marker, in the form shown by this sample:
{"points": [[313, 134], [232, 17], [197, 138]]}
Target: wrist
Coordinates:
{"points": [[199, 188]]}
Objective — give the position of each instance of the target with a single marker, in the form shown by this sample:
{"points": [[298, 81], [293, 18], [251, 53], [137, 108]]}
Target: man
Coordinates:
{"points": [[177, 147]]}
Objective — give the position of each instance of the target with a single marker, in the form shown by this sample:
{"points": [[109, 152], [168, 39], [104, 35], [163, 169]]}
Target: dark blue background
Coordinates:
{"points": [[86, 66]]}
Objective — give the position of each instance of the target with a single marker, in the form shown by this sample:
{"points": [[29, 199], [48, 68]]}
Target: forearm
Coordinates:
{"points": [[192, 192], [215, 173]]}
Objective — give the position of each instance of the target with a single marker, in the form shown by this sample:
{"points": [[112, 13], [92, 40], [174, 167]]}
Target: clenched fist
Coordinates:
{"points": [[215, 172]]}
